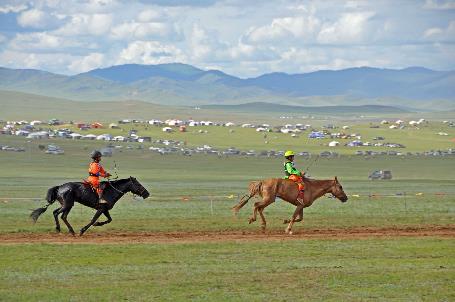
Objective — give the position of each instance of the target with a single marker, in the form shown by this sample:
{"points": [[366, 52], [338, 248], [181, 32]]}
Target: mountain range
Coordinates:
{"points": [[181, 84]]}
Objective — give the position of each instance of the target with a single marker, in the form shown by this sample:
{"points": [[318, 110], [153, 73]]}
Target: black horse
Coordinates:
{"points": [[71, 192]]}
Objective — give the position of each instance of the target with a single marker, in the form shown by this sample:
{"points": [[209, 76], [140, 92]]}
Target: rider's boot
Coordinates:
{"points": [[101, 200]]}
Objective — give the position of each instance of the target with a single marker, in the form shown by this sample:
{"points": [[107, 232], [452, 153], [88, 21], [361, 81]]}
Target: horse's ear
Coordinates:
{"points": [[336, 179]]}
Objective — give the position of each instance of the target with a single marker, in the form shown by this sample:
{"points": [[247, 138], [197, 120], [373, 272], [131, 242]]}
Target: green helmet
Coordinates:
{"points": [[289, 153]]}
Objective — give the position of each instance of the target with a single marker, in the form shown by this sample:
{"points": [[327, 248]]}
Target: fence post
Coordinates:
{"points": [[211, 204]]}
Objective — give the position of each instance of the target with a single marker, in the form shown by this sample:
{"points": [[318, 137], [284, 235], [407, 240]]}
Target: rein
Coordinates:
{"points": [[121, 192], [311, 163]]}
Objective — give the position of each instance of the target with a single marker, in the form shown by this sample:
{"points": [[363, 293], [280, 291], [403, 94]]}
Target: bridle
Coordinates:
{"points": [[141, 191], [334, 183], [123, 193]]}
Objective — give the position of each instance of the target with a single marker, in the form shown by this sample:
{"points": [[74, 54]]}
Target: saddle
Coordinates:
{"points": [[87, 184]]}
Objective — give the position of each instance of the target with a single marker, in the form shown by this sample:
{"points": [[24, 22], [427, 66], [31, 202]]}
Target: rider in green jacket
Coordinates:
{"points": [[294, 174]]}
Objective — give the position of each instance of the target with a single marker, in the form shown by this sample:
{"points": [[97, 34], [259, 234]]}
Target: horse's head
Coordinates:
{"points": [[337, 191], [138, 189]]}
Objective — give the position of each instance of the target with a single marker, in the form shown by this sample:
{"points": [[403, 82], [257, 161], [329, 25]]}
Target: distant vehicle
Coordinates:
{"points": [[304, 153], [55, 152], [380, 174]]}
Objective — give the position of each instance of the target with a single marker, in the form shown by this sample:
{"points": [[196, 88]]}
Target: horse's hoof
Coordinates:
{"points": [[57, 230], [286, 221], [290, 233], [72, 233], [81, 232]]}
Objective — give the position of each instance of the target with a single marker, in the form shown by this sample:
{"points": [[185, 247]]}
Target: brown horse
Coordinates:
{"points": [[287, 190]]}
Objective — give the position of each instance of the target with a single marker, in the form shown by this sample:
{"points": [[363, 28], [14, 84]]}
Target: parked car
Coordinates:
{"points": [[380, 174]]}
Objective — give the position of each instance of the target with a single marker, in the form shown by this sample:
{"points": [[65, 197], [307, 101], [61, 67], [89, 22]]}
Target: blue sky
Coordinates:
{"points": [[242, 38]]}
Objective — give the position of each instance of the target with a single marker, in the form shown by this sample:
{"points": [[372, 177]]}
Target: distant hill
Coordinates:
{"points": [[411, 83], [270, 107], [181, 84]]}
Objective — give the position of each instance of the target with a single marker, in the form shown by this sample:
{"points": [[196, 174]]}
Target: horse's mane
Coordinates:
{"points": [[316, 181], [117, 181]]}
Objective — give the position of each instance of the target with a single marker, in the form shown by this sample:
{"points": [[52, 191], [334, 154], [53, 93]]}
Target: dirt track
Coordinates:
{"points": [[95, 237]]}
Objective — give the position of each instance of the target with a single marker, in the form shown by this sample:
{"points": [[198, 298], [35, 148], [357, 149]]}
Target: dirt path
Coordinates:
{"points": [[96, 237]]}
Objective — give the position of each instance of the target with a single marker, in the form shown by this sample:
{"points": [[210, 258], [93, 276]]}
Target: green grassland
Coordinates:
{"points": [[205, 178], [318, 270], [196, 193]]}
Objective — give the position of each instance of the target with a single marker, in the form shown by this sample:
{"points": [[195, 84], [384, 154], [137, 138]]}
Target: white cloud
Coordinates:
{"points": [[83, 24], [441, 34], [92, 61], [35, 41], [149, 15], [33, 18], [135, 30], [200, 43], [45, 61], [12, 8], [431, 32], [150, 52], [243, 38], [254, 53], [283, 28], [439, 5], [350, 28]]}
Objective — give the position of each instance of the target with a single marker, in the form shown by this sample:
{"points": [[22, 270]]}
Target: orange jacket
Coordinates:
{"points": [[95, 170]]}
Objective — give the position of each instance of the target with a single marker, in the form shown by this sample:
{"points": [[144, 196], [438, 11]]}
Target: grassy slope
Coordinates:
{"points": [[17, 105], [271, 107]]}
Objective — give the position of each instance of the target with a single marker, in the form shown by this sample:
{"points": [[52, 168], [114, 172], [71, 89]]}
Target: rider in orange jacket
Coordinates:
{"points": [[95, 171]]}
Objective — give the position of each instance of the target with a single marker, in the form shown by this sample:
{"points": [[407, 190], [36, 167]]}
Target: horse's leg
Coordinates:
{"points": [[66, 211], [109, 219], [255, 210], [294, 216], [94, 219], [56, 212], [299, 218], [261, 208]]}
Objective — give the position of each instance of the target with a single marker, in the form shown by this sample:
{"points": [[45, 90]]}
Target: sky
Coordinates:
{"points": [[245, 38]]}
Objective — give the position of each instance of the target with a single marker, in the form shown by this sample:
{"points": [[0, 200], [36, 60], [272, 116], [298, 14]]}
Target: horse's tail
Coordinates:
{"points": [[50, 197], [254, 188]]}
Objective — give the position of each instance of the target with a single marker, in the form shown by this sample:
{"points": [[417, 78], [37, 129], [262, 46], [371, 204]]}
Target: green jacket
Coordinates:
{"points": [[289, 169]]}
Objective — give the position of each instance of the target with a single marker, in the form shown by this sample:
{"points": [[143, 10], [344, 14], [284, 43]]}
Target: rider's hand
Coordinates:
{"points": [[108, 175]]}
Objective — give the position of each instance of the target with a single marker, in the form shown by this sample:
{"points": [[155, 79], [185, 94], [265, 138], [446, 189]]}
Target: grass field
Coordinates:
{"points": [[195, 194], [331, 270]]}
